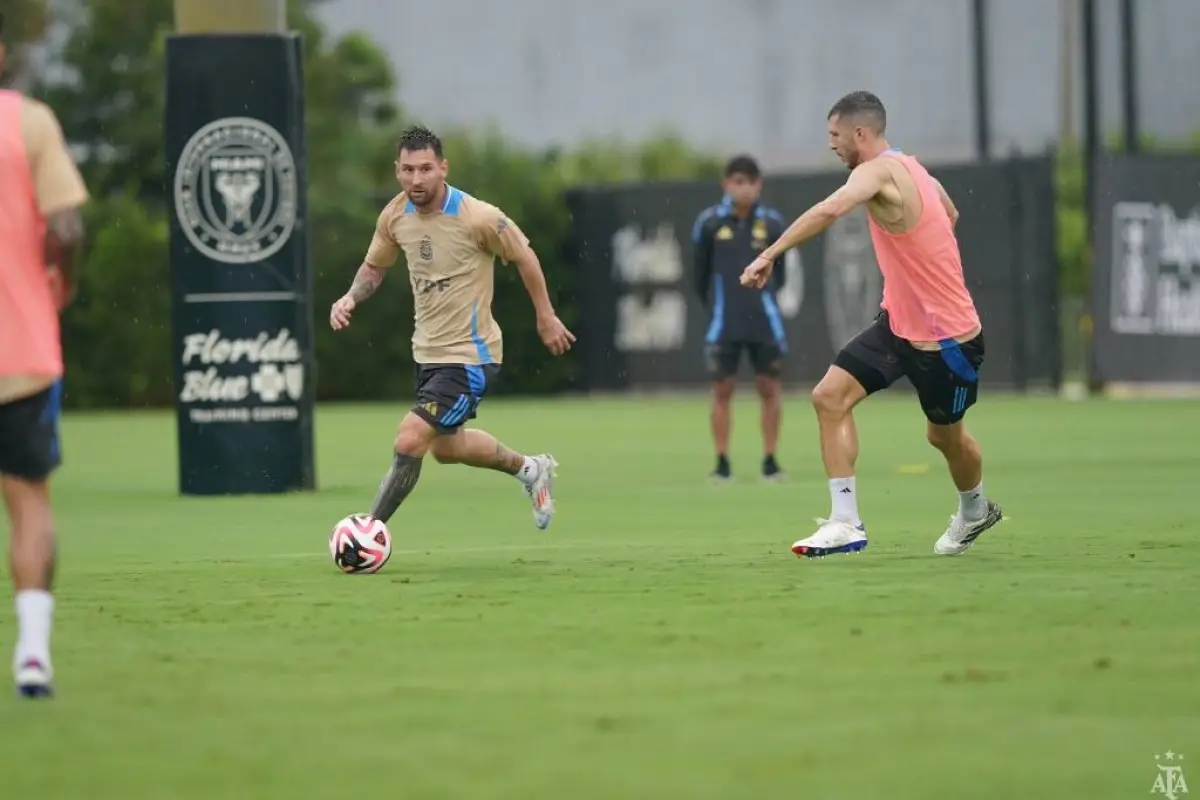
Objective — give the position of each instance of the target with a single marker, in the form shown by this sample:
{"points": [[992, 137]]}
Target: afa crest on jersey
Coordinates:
{"points": [[759, 233]]}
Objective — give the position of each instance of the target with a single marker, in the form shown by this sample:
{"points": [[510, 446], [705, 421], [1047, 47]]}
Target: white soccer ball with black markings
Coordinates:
{"points": [[360, 544]]}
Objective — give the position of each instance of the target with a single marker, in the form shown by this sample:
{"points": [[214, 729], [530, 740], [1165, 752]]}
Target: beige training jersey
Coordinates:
{"points": [[451, 255]]}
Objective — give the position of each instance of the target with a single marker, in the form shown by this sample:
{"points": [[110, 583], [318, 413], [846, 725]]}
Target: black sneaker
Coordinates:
{"points": [[770, 469], [722, 474]]}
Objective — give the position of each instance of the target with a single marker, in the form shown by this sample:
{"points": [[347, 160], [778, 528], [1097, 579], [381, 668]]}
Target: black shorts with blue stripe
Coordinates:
{"points": [[449, 394], [29, 446], [946, 380]]}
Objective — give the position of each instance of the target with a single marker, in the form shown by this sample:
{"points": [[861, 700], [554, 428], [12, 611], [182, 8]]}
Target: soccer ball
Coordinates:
{"points": [[360, 544]]}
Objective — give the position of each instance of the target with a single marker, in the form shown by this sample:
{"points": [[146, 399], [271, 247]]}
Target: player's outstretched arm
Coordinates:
{"points": [[500, 236], [366, 282], [553, 332], [381, 255], [864, 182]]}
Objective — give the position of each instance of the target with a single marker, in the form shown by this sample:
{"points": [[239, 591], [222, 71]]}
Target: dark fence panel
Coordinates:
{"points": [[1146, 297], [642, 325]]}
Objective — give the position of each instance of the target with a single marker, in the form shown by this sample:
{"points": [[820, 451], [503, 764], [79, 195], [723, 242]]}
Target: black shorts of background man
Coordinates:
{"points": [[725, 238]]}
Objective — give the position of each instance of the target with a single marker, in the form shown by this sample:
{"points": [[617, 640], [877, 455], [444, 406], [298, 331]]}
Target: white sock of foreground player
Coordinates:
{"points": [[35, 615], [528, 473], [972, 505], [845, 500]]}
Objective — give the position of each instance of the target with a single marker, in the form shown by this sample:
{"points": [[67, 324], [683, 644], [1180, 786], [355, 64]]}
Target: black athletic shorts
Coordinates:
{"points": [[449, 394], [766, 358], [946, 380], [29, 445]]}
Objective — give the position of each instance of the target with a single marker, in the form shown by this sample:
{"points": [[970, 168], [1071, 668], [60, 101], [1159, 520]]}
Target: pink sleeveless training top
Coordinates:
{"points": [[29, 334], [923, 288]]}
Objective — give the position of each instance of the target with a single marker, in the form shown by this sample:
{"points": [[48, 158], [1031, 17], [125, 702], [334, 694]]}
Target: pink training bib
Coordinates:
{"points": [[29, 333], [924, 292]]}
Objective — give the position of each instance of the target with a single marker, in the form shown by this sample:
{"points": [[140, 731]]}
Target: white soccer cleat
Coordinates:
{"points": [[34, 679], [834, 536], [541, 491], [962, 534]]}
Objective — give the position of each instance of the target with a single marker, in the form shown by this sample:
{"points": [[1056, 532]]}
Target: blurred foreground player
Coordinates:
{"points": [[450, 241], [928, 328], [40, 231], [724, 238]]}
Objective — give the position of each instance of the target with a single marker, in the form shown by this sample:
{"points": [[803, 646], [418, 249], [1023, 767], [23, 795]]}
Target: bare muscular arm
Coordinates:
{"points": [[366, 281], [64, 238], [947, 203], [553, 333], [865, 181]]}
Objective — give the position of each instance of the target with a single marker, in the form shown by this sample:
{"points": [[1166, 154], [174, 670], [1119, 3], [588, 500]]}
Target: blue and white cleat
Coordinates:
{"points": [[541, 491], [34, 679], [962, 534], [833, 537]]}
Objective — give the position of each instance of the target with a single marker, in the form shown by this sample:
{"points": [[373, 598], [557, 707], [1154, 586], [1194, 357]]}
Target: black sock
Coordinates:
{"points": [[398, 484]]}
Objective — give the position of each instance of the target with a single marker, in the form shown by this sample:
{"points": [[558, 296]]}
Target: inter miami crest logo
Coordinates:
{"points": [[853, 285], [426, 249], [235, 191]]}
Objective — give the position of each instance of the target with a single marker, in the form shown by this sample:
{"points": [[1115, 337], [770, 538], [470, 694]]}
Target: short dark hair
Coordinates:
{"points": [[743, 165], [863, 106], [418, 138], [1, 23]]}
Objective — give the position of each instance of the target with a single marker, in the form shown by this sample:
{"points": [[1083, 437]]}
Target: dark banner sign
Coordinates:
{"points": [[1146, 296], [242, 314], [642, 325]]}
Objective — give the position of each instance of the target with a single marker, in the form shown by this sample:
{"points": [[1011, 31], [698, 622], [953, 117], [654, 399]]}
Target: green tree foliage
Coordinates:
{"points": [[1074, 257], [24, 22], [111, 109], [117, 335]]}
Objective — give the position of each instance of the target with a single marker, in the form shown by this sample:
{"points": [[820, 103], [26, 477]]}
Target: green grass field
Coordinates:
{"points": [[660, 641]]}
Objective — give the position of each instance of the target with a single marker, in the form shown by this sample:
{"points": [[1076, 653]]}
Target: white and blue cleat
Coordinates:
{"points": [[34, 679], [833, 537]]}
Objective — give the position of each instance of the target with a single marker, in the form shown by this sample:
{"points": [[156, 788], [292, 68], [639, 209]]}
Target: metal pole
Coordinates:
{"points": [[231, 16], [1091, 101], [1068, 37], [1091, 149], [983, 124], [1129, 85]]}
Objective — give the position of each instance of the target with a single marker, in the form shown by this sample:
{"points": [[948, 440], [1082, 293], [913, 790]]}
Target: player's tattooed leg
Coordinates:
{"points": [[507, 460], [397, 485]]}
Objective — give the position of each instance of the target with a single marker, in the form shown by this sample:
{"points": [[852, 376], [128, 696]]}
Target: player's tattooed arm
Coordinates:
{"points": [[366, 281]]}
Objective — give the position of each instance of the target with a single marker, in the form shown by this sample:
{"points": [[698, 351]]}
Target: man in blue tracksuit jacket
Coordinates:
{"points": [[726, 237]]}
